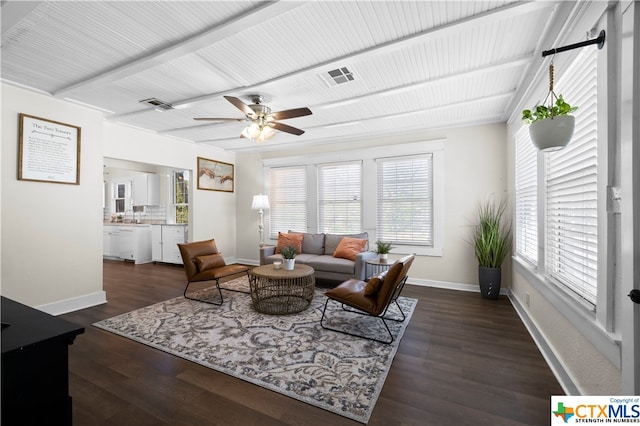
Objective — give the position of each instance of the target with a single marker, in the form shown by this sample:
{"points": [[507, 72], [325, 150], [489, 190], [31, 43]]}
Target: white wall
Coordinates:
{"points": [[51, 233], [212, 213], [475, 167]]}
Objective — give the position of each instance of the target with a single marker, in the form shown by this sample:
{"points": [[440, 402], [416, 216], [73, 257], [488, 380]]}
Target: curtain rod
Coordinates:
{"points": [[599, 41]]}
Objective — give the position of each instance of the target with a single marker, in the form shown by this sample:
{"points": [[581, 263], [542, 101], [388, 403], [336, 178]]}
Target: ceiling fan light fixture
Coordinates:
{"points": [[266, 134]]}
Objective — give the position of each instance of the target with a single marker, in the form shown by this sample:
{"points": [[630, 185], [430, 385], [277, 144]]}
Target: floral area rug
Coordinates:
{"points": [[289, 354]]}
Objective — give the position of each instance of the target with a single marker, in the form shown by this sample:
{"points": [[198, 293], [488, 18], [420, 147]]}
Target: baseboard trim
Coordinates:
{"points": [[74, 304], [557, 367], [450, 285]]}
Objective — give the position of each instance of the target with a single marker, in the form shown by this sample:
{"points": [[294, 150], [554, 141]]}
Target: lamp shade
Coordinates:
{"points": [[260, 202]]}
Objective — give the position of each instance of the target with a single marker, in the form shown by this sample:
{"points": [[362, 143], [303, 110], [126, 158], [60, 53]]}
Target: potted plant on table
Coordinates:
{"points": [[382, 250], [491, 239], [289, 257]]}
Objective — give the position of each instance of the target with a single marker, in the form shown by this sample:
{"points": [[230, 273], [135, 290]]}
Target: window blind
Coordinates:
{"points": [[288, 200], [405, 200], [340, 198], [571, 187], [526, 197]]}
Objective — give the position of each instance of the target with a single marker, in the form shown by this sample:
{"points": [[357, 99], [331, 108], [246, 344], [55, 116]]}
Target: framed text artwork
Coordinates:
{"points": [[49, 151], [215, 175]]}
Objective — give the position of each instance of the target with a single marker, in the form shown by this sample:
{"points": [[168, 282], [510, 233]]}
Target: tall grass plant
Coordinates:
{"points": [[492, 235]]}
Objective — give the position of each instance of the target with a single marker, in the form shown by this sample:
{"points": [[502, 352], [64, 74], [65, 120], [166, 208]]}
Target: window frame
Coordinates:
{"points": [[336, 200], [380, 162], [175, 204]]}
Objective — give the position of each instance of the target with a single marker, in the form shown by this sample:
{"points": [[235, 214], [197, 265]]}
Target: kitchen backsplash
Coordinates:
{"points": [[155, 214]]}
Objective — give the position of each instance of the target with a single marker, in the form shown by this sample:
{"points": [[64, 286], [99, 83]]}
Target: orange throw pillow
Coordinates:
{"points": [[287, 240], [348, 248]]}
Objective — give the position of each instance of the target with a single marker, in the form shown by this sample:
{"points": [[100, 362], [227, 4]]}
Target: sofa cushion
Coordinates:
{"points": [[349, 247], [313, 244], [331, 241], [209, 261], [292, 239], [305, 258], [333, 264]]}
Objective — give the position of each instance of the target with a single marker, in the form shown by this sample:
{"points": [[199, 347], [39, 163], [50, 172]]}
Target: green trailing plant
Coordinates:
{"points": [[491, 235], [383, 248], [288, 252], [540, 112]]}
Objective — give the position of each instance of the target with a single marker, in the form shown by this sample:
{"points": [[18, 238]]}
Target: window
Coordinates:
{"points": [[405, 200], [571, 214], [570, 191], [526, 198], [340, 198], [121, 196], [181, 195], [288, 200]]}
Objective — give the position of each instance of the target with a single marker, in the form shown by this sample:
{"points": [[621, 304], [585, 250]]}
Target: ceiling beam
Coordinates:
{"points": [[508, 63], [503, 12], [203, 39], [500, 96]]}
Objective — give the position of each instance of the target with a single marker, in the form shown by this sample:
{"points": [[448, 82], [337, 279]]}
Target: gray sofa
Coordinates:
{"points": [[317, 252]]}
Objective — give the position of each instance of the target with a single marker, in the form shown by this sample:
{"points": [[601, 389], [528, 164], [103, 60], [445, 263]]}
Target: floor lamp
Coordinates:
{"points": [[259, 203]]}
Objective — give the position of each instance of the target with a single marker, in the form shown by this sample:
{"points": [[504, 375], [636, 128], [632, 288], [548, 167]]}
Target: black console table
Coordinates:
{"points": [[35, 366]]}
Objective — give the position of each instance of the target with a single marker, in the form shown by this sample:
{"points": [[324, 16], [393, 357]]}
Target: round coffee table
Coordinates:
{"points": [[280, 292]]}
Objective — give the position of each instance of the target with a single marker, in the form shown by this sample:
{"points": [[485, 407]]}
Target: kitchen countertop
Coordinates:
{"points": [[108, 223]]}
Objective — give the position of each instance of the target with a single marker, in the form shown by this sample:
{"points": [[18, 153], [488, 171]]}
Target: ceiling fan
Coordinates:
{"points": [[261, 120]]}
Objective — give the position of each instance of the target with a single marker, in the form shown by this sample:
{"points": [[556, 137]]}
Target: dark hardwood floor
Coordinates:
{"points": [[462, 361]]}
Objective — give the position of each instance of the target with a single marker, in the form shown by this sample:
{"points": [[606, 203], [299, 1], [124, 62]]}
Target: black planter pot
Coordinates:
{"points": [[489, 280]]}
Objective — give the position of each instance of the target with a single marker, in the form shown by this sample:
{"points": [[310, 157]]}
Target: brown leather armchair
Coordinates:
{"points": [[203, 262], [373, 297]]}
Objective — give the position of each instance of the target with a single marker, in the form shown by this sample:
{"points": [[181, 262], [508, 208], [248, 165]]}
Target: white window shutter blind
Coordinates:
{"points": [[288, 200], [405, 200], [571, 187], [526, 197], [340, 198]]}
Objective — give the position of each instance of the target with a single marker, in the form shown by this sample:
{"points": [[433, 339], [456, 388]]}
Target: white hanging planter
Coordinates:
{"points": [[552, 134]]}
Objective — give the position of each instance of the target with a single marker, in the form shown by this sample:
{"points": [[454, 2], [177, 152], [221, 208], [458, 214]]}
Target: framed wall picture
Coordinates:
{"points": [[215, 175], [49, 151]]}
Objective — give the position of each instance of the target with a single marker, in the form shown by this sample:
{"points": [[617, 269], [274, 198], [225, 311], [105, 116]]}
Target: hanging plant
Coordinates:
{"points": [[550, 125]]}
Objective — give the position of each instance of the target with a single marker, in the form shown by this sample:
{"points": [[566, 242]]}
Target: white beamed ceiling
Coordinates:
{"points": [[418, 65]]}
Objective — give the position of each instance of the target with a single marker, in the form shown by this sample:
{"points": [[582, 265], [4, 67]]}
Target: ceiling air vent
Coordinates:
{"points": [[338, 76], [157, 104]]}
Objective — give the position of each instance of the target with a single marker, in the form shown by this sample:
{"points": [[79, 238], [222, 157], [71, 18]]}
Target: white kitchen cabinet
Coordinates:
{"points": [[156, 243], [146, 190], [165, 240], [135, 243], [111, 241]]}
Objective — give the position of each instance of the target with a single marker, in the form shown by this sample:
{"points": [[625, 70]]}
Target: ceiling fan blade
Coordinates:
{"points": [[218, 119], [241, 106], [290, 113], [286, 128]]}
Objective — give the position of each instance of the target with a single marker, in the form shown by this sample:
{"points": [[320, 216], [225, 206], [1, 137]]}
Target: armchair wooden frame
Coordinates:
{"points": [[195, 256], [352, 297]]}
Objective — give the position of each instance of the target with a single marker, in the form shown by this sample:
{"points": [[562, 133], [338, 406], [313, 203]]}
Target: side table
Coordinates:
{"points": [[375, 266]]}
